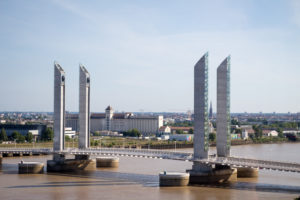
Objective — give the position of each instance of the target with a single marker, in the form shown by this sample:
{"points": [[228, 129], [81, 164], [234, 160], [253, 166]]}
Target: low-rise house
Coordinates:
{"points": [[246, 132], [269, 133], [183, 129], [165, 130]]}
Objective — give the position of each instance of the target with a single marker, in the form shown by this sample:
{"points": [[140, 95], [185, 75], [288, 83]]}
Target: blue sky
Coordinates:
{"points": [[141, 54]]}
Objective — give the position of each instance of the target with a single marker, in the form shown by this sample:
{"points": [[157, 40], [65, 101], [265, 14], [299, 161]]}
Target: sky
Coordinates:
{"points": [[141, 54]]}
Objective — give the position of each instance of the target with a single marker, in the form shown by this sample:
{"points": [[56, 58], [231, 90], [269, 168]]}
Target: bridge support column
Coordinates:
{"points": [[82, 157], [8, 155], [207, 174], [31, 167], [167, 179], [1, 159], [61, 164], [107, 162], [243, 172]]}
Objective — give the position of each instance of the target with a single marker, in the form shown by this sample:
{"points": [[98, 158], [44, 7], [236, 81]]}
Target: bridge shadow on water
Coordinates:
{"points": [[103, 178], [259, 187], [115, 178]]}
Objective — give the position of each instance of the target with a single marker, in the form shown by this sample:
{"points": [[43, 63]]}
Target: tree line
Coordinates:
{"points": [[47, 135]]}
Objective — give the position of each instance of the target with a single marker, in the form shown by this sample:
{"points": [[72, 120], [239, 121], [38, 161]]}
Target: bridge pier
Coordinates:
{"points": [[27, 154], [31, 167], [61, 164], [7, 154], [167, 179], [202, 173], [243, 172], [18, 154], [107, 162]]}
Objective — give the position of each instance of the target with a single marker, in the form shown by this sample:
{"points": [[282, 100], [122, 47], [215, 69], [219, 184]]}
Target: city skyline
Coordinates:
{"points": [[141, 55]]}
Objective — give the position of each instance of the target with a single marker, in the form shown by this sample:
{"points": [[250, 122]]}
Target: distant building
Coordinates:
{"points": [[35, 129], [269, 133], [292, 132], [183, 129], [211, 128], [119, 122], [245, 135], [164, 130], [165, 137], [69, 132], [181, 137]]}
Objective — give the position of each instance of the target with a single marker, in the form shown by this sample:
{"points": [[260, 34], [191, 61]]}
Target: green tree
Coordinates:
{"points": [[280, 132], [191, 131], [15, 135], [235, 122], [21, 138], [132, 133], [238, 131], [3, 136], [212, 137], [257, 131], [67, 138], [29, 137], [47, 135]]}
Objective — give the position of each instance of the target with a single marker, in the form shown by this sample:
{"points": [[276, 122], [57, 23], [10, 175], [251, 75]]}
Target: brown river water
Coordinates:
{"points": [[137, 178]]}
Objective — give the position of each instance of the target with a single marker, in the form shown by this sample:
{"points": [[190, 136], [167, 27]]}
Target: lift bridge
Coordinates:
{"points": [[162, 154]]}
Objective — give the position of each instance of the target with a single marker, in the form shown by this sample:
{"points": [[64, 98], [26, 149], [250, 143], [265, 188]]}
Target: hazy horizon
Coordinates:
{"points": [[141, 55]]}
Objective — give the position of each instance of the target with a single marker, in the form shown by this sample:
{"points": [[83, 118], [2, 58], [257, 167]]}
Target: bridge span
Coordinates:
{"points": [[163, 154]]}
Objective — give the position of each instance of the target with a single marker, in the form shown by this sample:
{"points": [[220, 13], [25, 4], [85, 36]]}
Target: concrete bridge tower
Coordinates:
{"points": [[201, 108], [223, 109], [59, 108], [84, 108]]}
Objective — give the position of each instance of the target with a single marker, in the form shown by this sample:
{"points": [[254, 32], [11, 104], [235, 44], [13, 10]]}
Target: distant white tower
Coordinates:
{"points": [[210, 111], [84, 108], [59, 108], [109, 112], [223, 109]]}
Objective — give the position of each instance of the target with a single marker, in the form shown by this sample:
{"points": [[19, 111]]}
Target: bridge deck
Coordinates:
{"points": [[162, 154]]}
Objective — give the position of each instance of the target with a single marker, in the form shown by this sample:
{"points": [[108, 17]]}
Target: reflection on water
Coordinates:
{"points": [[137, 178]]}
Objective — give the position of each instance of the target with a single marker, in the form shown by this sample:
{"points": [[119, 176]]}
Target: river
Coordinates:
{"points": [[137, 178]]}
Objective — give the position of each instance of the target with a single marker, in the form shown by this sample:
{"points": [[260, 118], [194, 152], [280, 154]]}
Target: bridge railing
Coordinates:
{"points": [[135, 152]]}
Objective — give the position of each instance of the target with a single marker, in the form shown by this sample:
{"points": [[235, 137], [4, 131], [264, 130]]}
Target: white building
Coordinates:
{"points": [[269, 133], [165, 130], [245, 135], [165, 137], [181, 137], [119, 122], [292, 132], [69, 132]]}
